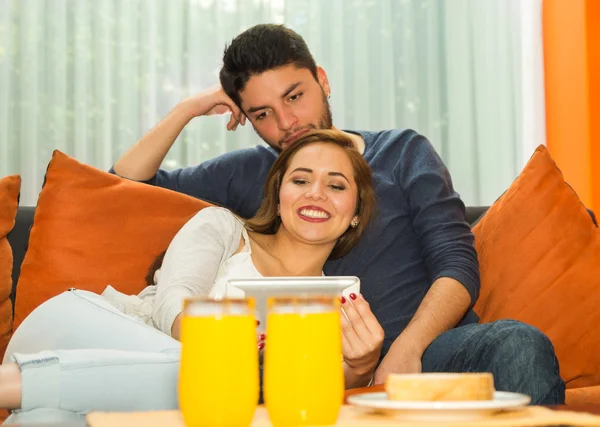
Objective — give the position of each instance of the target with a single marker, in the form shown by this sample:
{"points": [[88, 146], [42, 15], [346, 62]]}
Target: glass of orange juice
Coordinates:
{"points": [[218, 380], [303, 374]]}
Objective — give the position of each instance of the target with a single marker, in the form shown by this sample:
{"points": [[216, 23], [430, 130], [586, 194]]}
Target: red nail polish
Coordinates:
{"points": [[342, 299], [262, 337], [261, 345], [353, 296]]}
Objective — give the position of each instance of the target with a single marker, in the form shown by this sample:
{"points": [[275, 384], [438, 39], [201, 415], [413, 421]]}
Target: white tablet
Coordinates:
{"points": [[263, 288]]}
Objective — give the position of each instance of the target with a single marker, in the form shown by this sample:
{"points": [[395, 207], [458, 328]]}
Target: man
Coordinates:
{"points": [[417, 264]]}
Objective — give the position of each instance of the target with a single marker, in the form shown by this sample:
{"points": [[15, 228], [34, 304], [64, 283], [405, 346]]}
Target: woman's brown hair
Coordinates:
{"points": [[267, 220]]}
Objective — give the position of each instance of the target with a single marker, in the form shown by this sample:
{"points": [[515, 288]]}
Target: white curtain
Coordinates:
{"points": [[90, 77]]}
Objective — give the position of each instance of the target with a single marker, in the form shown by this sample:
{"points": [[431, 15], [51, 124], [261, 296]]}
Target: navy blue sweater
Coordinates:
{"points": [[420, 233]]}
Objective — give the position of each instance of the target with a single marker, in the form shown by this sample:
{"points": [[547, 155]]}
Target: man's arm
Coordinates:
{"points": [[142, 161], [448, 252], [442, 308]]}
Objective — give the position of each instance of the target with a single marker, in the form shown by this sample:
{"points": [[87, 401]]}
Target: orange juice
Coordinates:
{"points": [[218, 384], [304, 379]]}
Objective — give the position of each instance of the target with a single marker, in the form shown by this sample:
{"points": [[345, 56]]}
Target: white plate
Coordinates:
{"points": [[263, 288], [436, 411]]}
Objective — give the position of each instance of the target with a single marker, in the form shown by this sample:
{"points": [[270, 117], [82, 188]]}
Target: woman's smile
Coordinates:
{"points": [[313, 214]]}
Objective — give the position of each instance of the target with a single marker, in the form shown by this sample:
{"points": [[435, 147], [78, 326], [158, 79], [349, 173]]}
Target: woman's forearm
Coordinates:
{"points": [[176, 327]]}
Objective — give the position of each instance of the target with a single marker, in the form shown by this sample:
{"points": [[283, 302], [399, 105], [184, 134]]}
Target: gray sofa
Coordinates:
{"points": [[18, 239]]}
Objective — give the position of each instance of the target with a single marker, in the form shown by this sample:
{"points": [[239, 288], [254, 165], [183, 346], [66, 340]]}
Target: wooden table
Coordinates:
{"points": [[593, 409]]}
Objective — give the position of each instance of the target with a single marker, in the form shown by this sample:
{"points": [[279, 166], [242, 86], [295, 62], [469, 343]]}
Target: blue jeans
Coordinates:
{"points": [[520, 357]]}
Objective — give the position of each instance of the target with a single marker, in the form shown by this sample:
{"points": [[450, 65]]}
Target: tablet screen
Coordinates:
{"points": [[263, 288]]}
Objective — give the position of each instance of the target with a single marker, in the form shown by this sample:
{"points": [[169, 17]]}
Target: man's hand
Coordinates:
{"points": [[362, 339], [401, 359], [141, 162], [442, 308], [214, 101]]}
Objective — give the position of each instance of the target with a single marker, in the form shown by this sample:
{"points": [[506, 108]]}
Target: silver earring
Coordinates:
{"points": [[328, 95], [354, 223]]}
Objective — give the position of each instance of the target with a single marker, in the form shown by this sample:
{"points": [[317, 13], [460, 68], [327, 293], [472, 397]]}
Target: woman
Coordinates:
{"points": [[318, 200]]}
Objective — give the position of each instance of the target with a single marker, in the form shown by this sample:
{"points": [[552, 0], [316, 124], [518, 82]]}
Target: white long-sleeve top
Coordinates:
{"points": [[199, 261]]}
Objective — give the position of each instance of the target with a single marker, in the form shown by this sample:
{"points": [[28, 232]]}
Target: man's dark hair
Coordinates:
{"points": [[262, 48]]}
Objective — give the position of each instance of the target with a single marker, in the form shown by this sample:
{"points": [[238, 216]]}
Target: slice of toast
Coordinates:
{"points": [[440, 386]]}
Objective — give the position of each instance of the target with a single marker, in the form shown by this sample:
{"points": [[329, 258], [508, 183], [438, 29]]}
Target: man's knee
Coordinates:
{"points": [[518, 341], [516, 333], [525, 360]]}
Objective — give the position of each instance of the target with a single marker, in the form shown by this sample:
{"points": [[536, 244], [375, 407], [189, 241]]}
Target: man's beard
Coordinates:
{"points": [[325, 122]]}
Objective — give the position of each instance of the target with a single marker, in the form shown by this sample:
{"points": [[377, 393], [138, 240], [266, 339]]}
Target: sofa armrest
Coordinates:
{"points": [[583, 396]]}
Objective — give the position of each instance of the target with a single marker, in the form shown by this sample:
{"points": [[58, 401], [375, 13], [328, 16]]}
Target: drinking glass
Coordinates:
{"points": [[303, 373], [218, 381]]}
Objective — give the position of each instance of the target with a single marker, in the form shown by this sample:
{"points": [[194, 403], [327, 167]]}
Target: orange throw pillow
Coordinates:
{"points": [[92, 229], [9, 202], [539, 255]]}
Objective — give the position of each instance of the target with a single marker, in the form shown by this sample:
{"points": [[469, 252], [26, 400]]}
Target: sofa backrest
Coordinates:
{"points": [[19, 237]]}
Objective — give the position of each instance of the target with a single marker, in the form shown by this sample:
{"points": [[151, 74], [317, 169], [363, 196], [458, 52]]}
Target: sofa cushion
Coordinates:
{"points": [[92, 229], [10, 187], [539, 254]]}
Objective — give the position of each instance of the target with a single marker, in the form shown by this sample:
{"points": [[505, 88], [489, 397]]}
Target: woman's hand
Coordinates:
{"points": [[260, 338], [176, 327], [362, 339]]}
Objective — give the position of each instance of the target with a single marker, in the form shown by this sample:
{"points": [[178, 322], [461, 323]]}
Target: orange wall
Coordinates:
{"points": [[572, 85], [593, 37]]}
